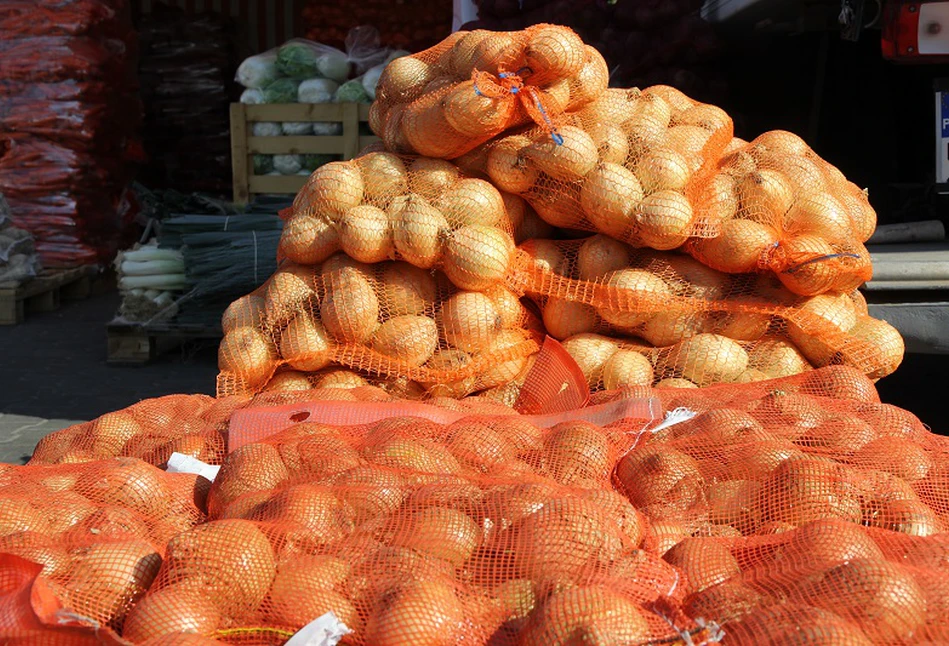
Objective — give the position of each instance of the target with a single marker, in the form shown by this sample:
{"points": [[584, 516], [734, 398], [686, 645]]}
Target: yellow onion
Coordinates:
{"points": [[418, 232], [609, 194]]}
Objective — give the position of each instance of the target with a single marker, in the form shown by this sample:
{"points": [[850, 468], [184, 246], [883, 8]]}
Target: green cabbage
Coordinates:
{"points": [[281, 91], [352, 92], [257, 71], [298, 61]]}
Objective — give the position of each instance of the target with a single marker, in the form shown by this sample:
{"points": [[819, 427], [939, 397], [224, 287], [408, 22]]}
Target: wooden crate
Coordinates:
{"points": [[44, 293], [133, 344], [244, 145]]}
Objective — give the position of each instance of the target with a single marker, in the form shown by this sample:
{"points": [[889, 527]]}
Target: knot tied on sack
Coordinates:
{"points": [[512, 84], [777, 259]]}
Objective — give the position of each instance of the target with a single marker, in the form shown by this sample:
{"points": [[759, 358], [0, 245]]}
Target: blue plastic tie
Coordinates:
{"points": [[556, 136]]}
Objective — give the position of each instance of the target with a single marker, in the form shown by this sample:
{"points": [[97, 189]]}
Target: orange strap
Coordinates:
{"points": [[508, 83]]}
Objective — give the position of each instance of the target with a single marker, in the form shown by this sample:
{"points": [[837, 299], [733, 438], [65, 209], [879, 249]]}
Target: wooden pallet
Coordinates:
{"points": [[44, 293], [244, 145], [133, 344]]}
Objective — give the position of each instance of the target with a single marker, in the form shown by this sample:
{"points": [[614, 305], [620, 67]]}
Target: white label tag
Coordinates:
{"points": [[323, 631], [181, 463], [674, 417]]}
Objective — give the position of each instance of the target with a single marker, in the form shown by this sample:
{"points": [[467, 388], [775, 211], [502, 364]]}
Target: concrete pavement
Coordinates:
{"points": [[53, 373]]}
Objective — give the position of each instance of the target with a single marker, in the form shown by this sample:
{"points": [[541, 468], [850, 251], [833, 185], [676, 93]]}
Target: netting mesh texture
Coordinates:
{"points": [[688, 321], [792, 509], [390, 320], [704, 459], [450, 98]]}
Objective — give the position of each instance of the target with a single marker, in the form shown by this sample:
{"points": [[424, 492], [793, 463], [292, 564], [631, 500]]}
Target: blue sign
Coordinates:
{"points": [[944, 116]]}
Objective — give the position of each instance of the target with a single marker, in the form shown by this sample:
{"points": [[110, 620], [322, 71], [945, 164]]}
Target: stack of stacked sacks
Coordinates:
{"points": [[796, 507], [68, 117], [714, 260]]}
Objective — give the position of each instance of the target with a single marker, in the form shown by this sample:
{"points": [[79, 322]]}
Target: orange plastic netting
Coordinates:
{"points": [[98, 530], [424, 211], [730, 514], [195, 425], [656, 169], [689, 321], [404, 443], [446, 100], [389, 319]]}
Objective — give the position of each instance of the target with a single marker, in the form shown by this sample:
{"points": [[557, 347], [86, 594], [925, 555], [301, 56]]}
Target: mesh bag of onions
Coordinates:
{"points": [[635, 165], [151, 430], [689, 322], [656, 169], [97, 533], [783, 209], [389, 320], [424, 211], [796, 508], [448, 99]]}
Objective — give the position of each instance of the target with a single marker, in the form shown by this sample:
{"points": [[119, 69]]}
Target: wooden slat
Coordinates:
{"points": [[297, 145], [241, 166], [277, 183], [244, 145], [298, 112], [43, 293]]}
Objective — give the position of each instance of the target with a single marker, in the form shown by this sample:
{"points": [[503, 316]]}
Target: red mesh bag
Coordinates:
{"points": [[32, 18], [632, 164], [446, 100], [689, 321], [98, 532], [195, 425], [424, 211], [785, 210], [388, 320], [48, 59]]}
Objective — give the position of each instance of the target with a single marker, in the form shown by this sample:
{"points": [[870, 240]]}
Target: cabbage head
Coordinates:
{"points": [[298, 61]]}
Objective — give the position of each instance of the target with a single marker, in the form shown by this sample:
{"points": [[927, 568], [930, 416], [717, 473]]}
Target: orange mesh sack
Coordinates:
{"points": [[446, 100], [98, 530], [689, 321], [787, 211], [151, 430], [771, 456], [424, 211], [388, 320], [484, 531], [632, 164], [828, 582]]}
